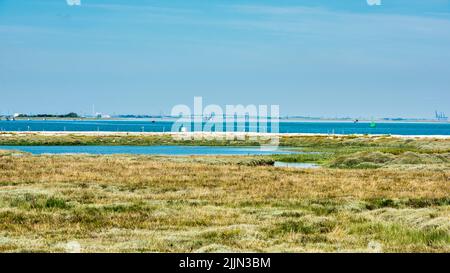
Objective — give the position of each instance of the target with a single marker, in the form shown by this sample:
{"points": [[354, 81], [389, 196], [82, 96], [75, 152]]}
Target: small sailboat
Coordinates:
{"points": [[373, 124]]}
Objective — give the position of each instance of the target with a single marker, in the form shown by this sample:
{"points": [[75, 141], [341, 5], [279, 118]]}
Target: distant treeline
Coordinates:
{"points": [[69, 115], [138, 116]]}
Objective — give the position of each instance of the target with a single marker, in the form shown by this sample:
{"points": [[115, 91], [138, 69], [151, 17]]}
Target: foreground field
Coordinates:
{"points": [[221, 204]]}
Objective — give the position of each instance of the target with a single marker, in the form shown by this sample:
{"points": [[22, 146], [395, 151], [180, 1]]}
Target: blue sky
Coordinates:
{"points": [[316, 58]]}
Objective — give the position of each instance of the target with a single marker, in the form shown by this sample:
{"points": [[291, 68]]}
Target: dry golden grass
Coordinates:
{"points": [[188, 204]]}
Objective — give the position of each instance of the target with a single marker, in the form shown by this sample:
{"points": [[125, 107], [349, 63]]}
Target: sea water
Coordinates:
{"points": [[386, 128]]}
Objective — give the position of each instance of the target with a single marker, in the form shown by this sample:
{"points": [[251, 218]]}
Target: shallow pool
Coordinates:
{"points": [[146, 150]]}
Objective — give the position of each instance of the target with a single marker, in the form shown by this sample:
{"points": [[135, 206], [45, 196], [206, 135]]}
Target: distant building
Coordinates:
{"points": [[441, 116], [12, 117], [100, 115]]}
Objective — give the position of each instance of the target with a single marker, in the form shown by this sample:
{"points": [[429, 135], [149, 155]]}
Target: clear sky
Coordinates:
{"points": [[315, 58]]}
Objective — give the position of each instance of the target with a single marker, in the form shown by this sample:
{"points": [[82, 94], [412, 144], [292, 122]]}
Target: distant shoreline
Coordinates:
{"points": [[209, 134], [282, 119]]}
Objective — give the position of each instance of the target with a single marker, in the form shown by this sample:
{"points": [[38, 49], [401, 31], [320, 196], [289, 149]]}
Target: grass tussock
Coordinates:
{"points": [[373, 160]]}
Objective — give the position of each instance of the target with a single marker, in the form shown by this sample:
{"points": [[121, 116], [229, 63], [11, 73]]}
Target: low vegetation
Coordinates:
{"points": [[371, 195], [349, 143], [198, 204]]}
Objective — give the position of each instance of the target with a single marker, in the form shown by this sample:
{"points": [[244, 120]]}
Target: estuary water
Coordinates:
{"points": [[141, 125], [144, 150]]}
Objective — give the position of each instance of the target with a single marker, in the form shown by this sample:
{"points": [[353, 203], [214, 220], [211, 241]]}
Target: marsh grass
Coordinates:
{"points": [[373, 160], [350, 143], [352, 151], [372, 194], [212, 204]]}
